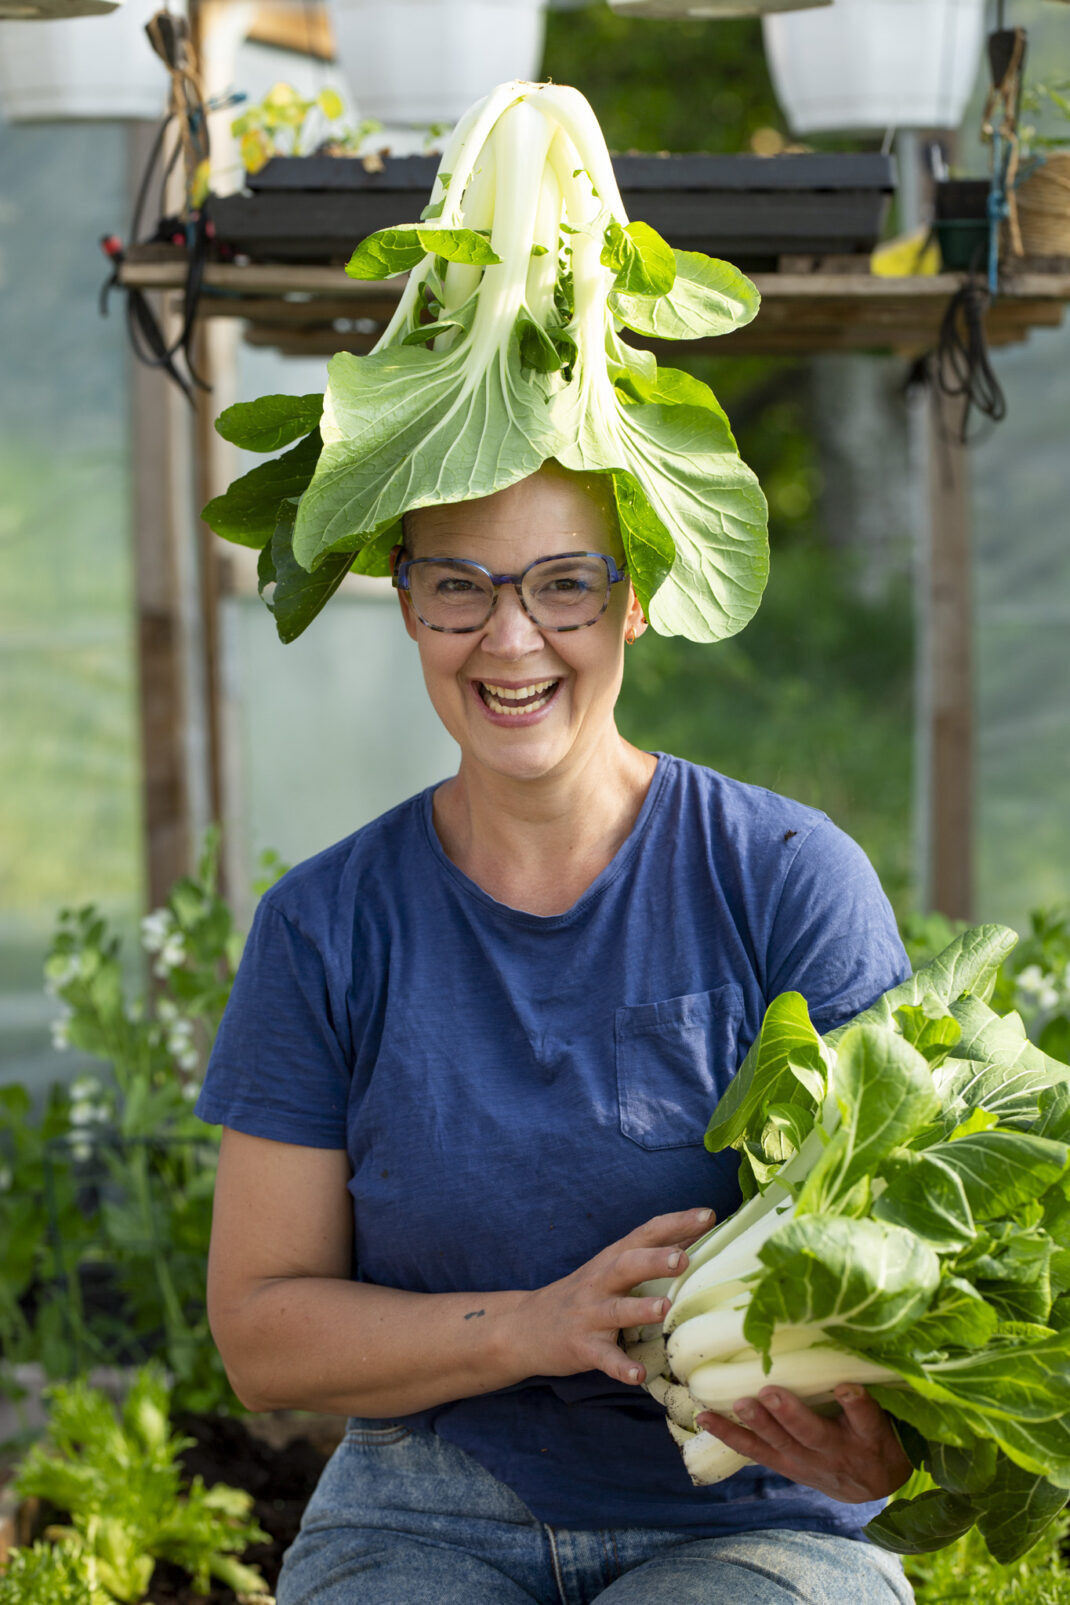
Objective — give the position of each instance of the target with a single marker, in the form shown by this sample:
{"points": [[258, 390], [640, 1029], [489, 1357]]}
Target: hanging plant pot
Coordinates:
{"points": [[95, 67], [711, 10], [420, 62], [861, 64]]}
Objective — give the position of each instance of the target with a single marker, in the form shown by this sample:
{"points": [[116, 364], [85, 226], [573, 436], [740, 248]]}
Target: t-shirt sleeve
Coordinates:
{"points": [[834, 936], [277, 1068]]}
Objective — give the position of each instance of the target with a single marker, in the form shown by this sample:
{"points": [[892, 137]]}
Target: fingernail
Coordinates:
{"points": [[664, 1306], [703, 1215], [674, 1260], [772, 1399], [848, 1393], [744, 1409], [634, 1374]]}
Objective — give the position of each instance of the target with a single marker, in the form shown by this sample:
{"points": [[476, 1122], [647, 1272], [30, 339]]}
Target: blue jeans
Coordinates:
{"points": [[402, 1517]]}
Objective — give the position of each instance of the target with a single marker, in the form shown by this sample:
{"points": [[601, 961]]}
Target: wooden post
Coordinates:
{"points": [[948, 670], [174, 630]]}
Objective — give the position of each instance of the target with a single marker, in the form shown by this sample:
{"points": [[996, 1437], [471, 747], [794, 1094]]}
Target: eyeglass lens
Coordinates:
{"points": [[559, 593]]}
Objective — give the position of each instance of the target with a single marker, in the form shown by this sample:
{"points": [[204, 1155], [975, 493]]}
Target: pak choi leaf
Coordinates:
{"points": [[247, 511], [270, 422]]}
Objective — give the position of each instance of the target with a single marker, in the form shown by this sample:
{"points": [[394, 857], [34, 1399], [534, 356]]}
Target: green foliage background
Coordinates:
{"points": [[814, 699]]}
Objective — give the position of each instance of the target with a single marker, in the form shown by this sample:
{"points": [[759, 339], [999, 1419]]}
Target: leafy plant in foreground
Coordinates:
{"points": [[51, 1574], [118, 1476], [906, 1226], [506, 351], [105, 1193], [965, 1572]]}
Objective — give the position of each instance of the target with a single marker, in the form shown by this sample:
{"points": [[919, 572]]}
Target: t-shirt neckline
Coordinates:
{"points": [[620, 861]]}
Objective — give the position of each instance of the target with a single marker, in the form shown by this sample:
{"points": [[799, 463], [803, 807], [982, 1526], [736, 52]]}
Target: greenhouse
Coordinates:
{"points": [[691, 376]]}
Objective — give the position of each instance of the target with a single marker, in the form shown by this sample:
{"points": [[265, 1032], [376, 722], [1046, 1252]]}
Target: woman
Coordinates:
{"points": [[480, 1040]]}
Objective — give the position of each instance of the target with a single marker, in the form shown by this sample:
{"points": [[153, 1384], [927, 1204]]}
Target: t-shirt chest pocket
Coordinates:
{"points": [[674, 1060]]}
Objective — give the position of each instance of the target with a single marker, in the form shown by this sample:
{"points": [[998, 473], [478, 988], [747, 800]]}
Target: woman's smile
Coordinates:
{"points": [[515, 702]]}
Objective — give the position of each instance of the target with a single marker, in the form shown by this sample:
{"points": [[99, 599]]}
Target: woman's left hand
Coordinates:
{"points": [[853, 1457]]}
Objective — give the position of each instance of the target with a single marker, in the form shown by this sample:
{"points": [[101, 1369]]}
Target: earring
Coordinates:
{"points": [[629, 636]]}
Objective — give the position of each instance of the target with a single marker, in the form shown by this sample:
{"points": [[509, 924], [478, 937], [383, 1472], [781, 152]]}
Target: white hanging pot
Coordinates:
{"points": [[712, 10], [96, 67], [417, 62], [876, 63]]}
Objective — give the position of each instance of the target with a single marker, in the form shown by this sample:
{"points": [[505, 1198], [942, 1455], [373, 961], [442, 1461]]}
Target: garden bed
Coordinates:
{"points": [[280, 1476], [276, 1459]]}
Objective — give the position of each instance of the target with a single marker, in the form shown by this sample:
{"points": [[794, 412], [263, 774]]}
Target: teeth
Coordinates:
{"points": [[506, 699], [505, 693]]}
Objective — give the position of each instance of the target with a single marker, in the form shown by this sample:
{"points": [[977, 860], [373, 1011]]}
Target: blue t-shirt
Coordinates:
{"points": [[515, 1091]]}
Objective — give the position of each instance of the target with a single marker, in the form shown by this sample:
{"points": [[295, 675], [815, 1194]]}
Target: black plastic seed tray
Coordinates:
{"points": [[751, 209]]}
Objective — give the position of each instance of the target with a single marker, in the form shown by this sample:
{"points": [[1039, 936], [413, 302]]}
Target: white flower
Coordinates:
{"points": [[1037, 986], [83, 1087], [61, 1032], [155, 929], [191, 1090], [80, 1149], [171, 954], [188, 1059], [167, 1009], [6, 1178]]}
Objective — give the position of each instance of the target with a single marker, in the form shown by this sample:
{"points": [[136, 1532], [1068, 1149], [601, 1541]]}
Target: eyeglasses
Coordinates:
{"points": [[564, 592]]}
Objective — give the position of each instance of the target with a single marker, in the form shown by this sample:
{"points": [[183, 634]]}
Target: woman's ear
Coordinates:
{"points": [[635, 620]]}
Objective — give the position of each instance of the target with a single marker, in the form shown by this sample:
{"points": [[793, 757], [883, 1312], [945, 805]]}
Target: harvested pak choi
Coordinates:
{"points": [[906, 1225], [506, 351]]}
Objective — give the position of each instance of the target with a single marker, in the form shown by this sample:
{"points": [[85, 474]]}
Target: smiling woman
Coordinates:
{"points": [[479, 1040], [476, 1042]]}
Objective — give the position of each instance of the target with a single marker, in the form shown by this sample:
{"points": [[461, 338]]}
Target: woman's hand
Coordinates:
{"points": [[572, 1325], [854, 1457]]}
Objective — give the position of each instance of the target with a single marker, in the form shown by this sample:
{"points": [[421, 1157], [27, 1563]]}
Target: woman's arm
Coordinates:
{"points": [[296, 1333]]}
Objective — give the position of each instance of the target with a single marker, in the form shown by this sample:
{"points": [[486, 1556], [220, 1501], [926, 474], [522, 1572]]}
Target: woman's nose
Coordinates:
{"points": [[509, 632]]}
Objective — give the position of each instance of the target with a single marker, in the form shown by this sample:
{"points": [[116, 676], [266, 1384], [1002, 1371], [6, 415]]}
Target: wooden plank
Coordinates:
{"points": [[165, 269]]}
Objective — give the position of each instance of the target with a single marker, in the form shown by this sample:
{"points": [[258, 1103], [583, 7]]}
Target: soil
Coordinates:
{"points": [[281, 1480]]}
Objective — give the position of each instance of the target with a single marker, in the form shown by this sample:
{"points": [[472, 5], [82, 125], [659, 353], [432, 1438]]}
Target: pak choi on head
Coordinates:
{"points": [[506, 350]]}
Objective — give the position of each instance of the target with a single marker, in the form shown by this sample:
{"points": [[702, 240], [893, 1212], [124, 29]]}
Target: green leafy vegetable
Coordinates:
{"points": [[119, 1477], [248, 511], [907, 1227], [505, 352]]}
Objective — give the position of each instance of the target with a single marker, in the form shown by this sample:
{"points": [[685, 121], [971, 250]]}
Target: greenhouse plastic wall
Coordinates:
{"points": [[1021, 540], [69, 822]]}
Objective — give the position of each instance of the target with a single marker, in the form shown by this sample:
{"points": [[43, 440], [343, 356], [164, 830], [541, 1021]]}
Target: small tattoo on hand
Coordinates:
{"points": [[471, 1313]]}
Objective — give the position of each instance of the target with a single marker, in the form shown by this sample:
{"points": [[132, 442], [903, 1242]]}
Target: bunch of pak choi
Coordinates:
{"points": [[906, 1225], [507, 350]]}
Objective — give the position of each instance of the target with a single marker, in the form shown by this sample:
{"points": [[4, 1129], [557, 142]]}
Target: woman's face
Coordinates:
{"points": [[466, 675]]}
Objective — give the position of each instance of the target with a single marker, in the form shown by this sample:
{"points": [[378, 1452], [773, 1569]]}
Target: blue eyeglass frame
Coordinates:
{"points": [[400, 580]]}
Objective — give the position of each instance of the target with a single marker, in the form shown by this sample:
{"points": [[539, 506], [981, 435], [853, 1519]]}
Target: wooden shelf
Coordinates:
{"points": [[314, 310]]}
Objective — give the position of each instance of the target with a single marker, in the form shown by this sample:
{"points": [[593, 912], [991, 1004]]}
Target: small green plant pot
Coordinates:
{"points": [[960, 223]]}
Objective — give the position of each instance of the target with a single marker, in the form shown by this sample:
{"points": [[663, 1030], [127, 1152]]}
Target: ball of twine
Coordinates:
{"points": [[1044, 207]]}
